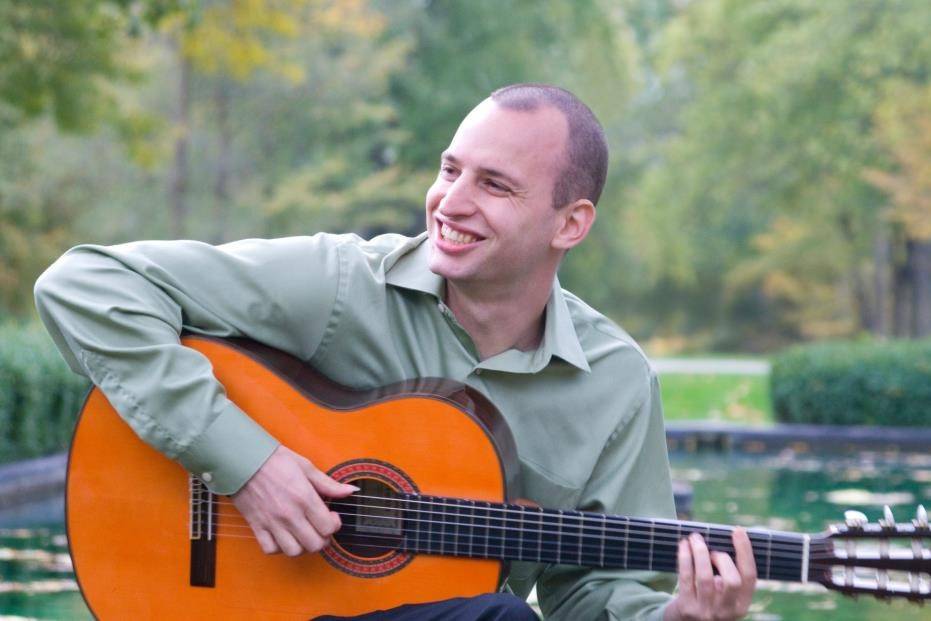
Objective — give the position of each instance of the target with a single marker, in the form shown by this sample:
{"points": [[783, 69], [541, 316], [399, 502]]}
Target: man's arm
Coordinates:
{"points": [[116, 314]]}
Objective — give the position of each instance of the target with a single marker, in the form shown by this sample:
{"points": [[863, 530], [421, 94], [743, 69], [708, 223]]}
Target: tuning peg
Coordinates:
{"points": [[921, 517], [888, 521], [855, 519]]}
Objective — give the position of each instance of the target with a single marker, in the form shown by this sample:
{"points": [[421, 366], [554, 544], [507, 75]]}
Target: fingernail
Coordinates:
{"points": [[353, 487]]}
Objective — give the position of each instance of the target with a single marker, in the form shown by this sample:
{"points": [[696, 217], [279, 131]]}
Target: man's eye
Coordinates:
{"points": [[497, 186]]}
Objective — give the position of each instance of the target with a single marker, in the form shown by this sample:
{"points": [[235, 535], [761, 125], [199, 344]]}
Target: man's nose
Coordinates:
{"points": [[459, 198]]}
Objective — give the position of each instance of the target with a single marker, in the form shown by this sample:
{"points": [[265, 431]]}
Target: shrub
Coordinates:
{"points": [[861, 383], [39, 395]]}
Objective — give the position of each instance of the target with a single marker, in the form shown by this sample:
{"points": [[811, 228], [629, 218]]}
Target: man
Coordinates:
{"points": [[475, 299]]}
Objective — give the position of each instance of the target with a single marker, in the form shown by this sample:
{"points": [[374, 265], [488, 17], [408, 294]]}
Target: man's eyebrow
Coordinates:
{"points": [[491, 172]]}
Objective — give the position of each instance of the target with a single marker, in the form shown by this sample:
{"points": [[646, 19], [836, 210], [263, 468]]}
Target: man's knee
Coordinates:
{"points": [[505, 607]]}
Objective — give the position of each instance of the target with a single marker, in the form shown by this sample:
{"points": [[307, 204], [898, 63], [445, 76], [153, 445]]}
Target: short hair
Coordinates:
{"points": [[586, 166]]}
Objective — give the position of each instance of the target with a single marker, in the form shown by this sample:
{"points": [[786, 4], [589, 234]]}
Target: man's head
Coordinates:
{"points": [[490, 212], [586, 157]]}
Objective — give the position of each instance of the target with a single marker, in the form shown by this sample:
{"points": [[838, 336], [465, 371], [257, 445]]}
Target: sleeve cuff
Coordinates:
{"points": [[229, 451]]}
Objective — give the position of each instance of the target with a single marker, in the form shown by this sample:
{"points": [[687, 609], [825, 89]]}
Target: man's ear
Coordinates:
{"points": [[575, 220]]}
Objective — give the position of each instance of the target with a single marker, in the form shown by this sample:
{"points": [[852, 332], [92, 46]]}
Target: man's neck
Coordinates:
{"points": [[503, 317]]}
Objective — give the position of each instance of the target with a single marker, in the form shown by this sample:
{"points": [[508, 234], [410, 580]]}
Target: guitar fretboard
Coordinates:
{"points": [[476, 529]]}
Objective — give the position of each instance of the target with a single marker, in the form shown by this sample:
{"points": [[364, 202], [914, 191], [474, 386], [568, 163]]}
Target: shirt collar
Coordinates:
{"points": [[407, 268]]}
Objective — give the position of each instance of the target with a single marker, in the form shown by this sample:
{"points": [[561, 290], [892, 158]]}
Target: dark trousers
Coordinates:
{"points": [[488, 607]]}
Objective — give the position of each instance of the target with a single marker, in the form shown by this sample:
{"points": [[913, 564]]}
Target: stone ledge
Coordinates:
{"points": [[831, 439], [32, 479]]}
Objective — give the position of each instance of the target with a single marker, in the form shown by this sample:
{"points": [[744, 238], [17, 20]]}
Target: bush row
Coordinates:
{"points": [[39, 395], [854, 383]]}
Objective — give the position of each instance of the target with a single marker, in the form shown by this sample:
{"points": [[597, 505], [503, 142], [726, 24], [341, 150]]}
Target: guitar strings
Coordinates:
{"points": [[610, 523], [660, 534], [610, 559], [430, 541], [533, 534], [631, 537], [426, 535]]}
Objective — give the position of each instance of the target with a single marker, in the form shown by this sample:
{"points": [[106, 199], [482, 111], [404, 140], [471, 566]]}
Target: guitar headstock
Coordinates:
{"points": [[885, 559]]}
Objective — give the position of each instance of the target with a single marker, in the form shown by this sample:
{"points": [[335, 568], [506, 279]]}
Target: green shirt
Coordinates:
{"points": [[584, 407]]}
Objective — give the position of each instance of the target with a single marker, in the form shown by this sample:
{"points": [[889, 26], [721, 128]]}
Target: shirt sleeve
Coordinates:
{"points": [[116, 314], [630, 478]]}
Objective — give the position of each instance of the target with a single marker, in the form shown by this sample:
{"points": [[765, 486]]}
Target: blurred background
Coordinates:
{"points": [[770, 177], [765, 231]]}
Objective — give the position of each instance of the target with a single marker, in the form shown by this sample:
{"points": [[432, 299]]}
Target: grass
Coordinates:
{"points": [[726, 398]]}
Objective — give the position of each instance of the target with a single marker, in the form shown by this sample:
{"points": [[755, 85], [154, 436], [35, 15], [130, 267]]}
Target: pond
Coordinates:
{"points": [[785, 492]]}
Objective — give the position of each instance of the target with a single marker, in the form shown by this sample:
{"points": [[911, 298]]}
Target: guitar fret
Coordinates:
{"points": [[540, 535], [769, 554], [456, 531], [581, 536], [471, 525], [652, 537], [604, 524], [559, 537], [442, 512], [488, 525], [520, 535]]}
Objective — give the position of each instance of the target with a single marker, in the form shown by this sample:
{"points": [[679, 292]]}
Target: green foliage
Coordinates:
{"points": [[55, 55], [740, 399], [854, 383], [39, 395]]}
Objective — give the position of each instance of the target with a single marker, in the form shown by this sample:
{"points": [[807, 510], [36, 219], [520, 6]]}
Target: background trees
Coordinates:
{"points": [[770, 160]]}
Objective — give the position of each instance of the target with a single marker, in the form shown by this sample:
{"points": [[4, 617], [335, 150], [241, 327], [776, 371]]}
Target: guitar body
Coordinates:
{"points": [[130, 515]]}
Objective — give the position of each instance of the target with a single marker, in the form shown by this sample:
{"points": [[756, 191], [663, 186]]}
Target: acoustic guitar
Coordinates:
{"points": [[435, 517]]}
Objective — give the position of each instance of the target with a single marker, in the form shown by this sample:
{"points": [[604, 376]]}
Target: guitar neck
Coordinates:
{"points": [[476, 529]]}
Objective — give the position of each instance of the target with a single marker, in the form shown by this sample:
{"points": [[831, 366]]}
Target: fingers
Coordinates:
{"points": [[326, 485], [704, 576], [746, 567], [746, 564], [686, 572], [266, 541], [282, 504], [728, 582]]}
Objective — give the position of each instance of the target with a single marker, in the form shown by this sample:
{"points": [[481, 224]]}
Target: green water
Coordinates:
{"points": [[785, 493]]}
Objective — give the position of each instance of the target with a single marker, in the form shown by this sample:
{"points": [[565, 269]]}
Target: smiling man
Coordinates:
{"points": [[475, 299]]}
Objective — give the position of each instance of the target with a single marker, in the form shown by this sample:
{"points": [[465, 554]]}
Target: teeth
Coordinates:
{"points": [[455, 236]]}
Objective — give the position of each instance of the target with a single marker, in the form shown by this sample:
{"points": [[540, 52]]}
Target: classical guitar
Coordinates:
{"points": [[434, 519]]}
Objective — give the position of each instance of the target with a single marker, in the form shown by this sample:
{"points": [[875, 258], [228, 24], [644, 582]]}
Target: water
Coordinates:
{"points": [[784, 492]]}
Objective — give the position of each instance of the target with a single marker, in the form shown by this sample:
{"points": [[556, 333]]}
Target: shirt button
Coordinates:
{"points": [[207, 477], [478, 371]]}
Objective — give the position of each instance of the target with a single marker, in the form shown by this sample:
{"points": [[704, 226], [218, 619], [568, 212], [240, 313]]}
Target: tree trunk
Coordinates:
{"points": [[882, 259], [901, 301], [179, 172], [221, 192], [919, 259]]}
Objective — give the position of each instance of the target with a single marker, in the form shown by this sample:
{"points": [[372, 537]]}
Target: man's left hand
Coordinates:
{"points": [[704, 596]]}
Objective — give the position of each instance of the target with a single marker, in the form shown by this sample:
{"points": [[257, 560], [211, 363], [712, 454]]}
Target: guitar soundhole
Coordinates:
{"points": [[372, 519], [369, 543]]}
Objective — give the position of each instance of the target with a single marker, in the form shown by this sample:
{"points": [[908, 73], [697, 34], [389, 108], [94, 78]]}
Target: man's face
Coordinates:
{"points": [[490, 215]]}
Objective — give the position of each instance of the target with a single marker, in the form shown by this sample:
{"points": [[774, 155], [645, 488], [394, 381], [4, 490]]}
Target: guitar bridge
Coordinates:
{"points": [[203, 533]]}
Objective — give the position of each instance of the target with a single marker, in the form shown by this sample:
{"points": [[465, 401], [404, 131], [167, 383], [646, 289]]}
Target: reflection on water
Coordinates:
{"points": [[783, 492], [807, 494]]}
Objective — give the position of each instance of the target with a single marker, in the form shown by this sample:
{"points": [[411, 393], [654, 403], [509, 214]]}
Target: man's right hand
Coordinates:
{"points": [[283, 505]]}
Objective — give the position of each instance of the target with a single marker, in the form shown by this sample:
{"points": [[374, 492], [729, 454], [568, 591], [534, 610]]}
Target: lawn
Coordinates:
{"points": [[725, 398]]}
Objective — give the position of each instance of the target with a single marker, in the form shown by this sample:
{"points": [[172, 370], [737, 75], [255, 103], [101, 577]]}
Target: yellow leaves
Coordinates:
{"points": [[238, 38], [903, 127], [797, 267], [350, 17]]}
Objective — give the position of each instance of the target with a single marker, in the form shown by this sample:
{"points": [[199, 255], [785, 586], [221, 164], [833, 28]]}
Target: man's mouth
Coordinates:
{"points": [[453, 236]]}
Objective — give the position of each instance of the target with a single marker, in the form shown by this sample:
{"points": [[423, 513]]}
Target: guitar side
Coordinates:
{"points": [[130, 517]]}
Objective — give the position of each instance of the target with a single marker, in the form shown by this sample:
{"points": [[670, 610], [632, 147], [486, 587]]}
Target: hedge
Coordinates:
{"points": [[39, 395], [854, 383]]}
